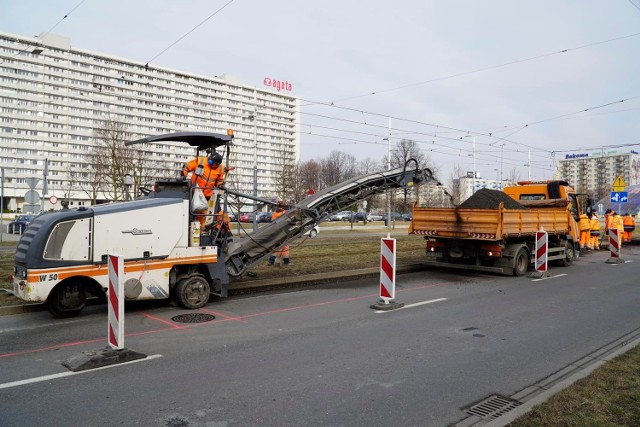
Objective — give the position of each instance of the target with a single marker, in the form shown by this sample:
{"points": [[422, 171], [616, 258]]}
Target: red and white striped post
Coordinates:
{"points": [[387, 269], [614, 246], [387, 275], [115, 327], [542, 248], [540, 255]]}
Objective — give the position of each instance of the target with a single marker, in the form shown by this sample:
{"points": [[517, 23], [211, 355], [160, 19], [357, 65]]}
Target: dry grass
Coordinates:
{"points": [[610, 396], [342, 251]]}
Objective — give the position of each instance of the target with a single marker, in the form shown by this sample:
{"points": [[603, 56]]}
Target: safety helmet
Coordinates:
{"points": [[214, 158]]}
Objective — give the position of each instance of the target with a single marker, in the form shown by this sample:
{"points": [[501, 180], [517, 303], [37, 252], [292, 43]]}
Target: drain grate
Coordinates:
{"points": [[493, 407], [193, 318]]}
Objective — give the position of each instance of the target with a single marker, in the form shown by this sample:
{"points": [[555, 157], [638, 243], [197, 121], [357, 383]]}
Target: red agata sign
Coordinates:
{"points": [[277, 84]]}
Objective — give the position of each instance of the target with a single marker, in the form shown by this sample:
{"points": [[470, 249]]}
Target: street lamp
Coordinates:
{"points": [[254, 118]]}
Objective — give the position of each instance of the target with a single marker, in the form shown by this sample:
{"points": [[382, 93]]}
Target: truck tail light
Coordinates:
{"points": [[433, 246], [493, 251]]}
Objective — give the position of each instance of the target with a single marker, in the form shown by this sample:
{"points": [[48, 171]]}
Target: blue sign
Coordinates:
{"points": [[619, 197]]}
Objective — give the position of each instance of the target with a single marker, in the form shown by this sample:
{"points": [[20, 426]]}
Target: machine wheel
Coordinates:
{"points": [[66, 300], [192, 292], [521, 262], [570, 255], [313, 233]]}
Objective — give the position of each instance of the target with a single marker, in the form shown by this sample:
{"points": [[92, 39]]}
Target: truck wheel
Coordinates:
{"points": [[192, 292], [521, 262], [569, 256], [313, 233], [66, 300]]}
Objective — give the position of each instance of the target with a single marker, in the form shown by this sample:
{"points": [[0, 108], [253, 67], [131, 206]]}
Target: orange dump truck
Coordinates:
{"points": [[494, 231]]}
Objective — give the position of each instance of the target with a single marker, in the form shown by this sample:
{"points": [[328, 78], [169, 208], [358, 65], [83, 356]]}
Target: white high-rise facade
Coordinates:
{"points": [[54, 96], [595, 172]]}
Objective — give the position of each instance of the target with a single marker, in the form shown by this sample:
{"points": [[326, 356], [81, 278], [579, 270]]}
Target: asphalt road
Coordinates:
{"points": [[322, 357]]}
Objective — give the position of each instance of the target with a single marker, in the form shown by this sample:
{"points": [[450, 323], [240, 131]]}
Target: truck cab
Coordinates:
{"points": [[531, 193]]}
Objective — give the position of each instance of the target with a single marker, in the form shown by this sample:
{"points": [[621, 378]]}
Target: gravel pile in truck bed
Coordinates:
{"points": [[489, 199]]}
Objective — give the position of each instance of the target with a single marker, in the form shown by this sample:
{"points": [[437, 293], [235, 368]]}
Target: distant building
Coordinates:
{"points": [[54, 95], [595, 172], [467, 186]]}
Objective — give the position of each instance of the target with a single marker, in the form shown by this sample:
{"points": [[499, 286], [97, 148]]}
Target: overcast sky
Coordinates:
{"points": [[516, 74]]}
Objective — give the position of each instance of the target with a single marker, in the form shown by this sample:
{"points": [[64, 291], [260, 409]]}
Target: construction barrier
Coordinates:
{"points": [[387, 269], [614, 246], [115, 333], [387, 275], [542, 248], [540, 255]]}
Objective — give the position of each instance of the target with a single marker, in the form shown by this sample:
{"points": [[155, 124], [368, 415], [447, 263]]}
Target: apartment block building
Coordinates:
{"points": [[54, 96], [595, 172]]}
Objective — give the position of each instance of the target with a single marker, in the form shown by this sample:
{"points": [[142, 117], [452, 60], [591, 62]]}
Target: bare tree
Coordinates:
{"points": [[336, 168], [454, 183], [513, 175], [309, 173], [110, 160], [405, 150], [286, 173]]}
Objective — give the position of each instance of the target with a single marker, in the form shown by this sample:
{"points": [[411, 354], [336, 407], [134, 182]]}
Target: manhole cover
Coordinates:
{"points": [[493, 407], [193, 318]]}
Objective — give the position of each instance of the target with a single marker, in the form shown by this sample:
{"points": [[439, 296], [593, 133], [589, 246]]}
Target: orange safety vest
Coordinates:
{"points": [[584, 223], [617, 223], [628, 223], [595, 226], [277, 214], [210, 178]]}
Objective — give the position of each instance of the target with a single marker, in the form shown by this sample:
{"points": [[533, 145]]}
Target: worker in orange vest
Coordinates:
{"points": [[618, 224], [629, 225], [594, 225], [283, 252], [607, 221], [206, 173], [585, 233]]}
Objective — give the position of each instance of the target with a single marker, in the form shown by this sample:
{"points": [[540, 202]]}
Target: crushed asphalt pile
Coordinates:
{"points": [[490, 199]]}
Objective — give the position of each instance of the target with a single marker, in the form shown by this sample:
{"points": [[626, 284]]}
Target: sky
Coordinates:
{"points": [[515, 85]]}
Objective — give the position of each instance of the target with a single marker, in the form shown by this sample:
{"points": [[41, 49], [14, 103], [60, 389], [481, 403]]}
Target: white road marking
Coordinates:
{"points": [[412, 305], [550, 277], [70, 373]]}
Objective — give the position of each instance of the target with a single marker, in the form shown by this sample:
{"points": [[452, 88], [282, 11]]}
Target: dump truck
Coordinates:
{"points": [[62, 257], [494, 231]]}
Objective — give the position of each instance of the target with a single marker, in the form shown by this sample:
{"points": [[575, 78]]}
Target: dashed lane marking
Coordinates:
{"points": [[68, 374], [412, 305]]}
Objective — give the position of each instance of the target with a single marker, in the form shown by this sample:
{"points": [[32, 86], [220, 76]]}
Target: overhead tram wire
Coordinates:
{"points": [[479, 70], [49, 30], [190, 31], [406, 131]]}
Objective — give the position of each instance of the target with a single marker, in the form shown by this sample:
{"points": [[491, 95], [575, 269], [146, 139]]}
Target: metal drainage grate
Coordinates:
{"points": [[493, 407], [193, 318]]}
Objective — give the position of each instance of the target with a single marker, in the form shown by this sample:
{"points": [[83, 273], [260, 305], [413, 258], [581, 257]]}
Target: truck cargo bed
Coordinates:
{"points": [[488, 224]]}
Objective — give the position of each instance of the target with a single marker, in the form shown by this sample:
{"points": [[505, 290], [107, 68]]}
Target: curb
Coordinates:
{"points": [[259, 283]]}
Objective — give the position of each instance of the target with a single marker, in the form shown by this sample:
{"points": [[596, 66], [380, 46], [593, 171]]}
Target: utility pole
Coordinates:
{"points": [[255, 158], [389, 168]]}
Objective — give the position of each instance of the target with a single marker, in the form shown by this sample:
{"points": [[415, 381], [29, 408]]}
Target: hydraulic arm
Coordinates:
{"points": [[241, 254]]}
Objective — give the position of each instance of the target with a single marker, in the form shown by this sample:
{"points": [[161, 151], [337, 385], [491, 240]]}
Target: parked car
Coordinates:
{"points": [[313, 232], [407, 217], [361, 216], [265, 217], [341, 216], [376, 217], [247, 217], [20, 223]]}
